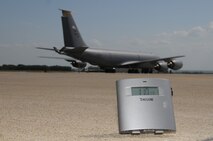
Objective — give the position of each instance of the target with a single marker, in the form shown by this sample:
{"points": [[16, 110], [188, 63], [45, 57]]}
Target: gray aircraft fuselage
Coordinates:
{"points": [[112, 58]]}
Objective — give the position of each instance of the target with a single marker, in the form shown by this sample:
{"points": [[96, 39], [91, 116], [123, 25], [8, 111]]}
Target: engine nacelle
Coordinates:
{"points": [[79, 64], [161, 66], [175, 64]]}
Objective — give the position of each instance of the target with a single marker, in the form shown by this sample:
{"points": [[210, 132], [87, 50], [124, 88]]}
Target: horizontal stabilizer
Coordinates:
{"points": [[67, 59], [45, 48]]}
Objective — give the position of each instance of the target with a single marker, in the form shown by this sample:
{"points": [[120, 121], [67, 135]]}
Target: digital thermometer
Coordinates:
{"points": [[145, 105]]}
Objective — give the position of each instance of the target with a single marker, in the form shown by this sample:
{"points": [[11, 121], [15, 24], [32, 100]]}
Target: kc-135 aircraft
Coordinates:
{"points": [[108, 60]]}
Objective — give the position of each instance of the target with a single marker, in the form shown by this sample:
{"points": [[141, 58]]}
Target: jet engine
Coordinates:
{"points": [[175, 64], [161, 66], [78, 64]]}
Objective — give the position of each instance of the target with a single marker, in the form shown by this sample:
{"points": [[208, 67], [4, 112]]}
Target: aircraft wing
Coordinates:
{"points": [[166, 59]]}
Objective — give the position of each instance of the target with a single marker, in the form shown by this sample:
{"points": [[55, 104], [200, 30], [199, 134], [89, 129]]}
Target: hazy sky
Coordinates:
{"points": [[161, 27]]}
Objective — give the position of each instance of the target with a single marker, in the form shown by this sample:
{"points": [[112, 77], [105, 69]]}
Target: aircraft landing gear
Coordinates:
{"points": [[110, 70], [133, 71], [146, 71]]}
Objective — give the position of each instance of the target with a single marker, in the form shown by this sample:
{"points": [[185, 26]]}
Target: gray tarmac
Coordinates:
{"points": [[82, 106]]}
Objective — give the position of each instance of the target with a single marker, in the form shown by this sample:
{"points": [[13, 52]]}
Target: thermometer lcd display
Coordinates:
{"points": [[136, 91]]}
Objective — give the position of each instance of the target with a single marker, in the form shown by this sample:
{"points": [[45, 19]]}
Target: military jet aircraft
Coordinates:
{"points": [[108, 60]]}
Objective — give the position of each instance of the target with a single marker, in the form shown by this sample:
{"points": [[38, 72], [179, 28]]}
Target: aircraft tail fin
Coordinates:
{"points": [[72, 36]]}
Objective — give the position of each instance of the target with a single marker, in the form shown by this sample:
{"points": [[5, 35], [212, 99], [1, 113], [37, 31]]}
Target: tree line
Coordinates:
{"points": [[45, 68]]}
